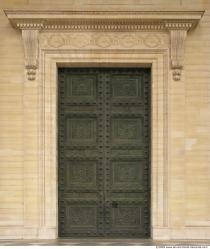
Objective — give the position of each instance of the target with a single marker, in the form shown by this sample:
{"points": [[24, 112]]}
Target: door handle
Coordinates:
{"points": [[114, 204]]}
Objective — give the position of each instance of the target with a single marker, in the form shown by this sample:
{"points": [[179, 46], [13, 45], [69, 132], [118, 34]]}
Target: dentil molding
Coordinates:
{"points": [[176, 23]]}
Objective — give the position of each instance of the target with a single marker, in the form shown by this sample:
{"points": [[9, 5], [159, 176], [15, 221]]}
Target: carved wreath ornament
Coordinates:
{"points": [[128, 30], [103, 40]]}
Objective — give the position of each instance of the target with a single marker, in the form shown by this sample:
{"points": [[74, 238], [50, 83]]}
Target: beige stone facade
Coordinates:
{"points": [[180, 108]]}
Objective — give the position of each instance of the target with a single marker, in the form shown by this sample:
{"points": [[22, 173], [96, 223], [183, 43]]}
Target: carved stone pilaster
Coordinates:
{"points": [[177, 39], [31, 49]]}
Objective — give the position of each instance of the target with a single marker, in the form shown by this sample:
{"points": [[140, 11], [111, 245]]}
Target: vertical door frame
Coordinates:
{"points": [[50, 61]]}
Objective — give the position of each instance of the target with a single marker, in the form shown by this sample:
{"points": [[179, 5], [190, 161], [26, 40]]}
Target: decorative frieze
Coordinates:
{"points": [[104, 40], [176, 23]]}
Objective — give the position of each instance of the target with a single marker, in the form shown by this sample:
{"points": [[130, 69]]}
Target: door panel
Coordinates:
{"points": [[127, 170], [80, 166], [103, 141]]}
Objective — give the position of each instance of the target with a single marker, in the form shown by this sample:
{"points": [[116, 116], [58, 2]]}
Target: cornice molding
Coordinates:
{"points": [[106, 20], [176, 23]]}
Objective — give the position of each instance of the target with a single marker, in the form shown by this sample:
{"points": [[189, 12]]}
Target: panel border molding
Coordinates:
{"points": [[177, 23], [50, 60]]}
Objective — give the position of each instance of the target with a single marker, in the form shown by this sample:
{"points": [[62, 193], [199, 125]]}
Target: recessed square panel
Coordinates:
{"points": [[81, 131], [81, 216], [81, 88], [126, 87], [127, 131], [81, 174], [127, 174], [126, 216]]}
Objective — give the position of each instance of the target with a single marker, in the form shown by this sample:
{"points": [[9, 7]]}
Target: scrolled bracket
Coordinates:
{"points": [[30, 35], [177, 52], [178, 34], [177, 23]]}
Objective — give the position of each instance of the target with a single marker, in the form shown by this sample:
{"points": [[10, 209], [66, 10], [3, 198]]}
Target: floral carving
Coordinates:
{"points": [[103, 41], [127, 216], [82, 172], [82, 216], [152, 41]]}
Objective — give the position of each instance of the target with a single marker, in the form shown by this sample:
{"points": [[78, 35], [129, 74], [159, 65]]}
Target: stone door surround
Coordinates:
{"points": [[51, 39]]}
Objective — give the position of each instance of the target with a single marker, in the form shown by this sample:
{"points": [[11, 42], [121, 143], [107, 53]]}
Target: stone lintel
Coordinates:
{"points": [[176, 23]]}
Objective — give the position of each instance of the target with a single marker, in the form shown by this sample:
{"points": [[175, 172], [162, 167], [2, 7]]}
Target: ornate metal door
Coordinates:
{"points": [[104, 152]]}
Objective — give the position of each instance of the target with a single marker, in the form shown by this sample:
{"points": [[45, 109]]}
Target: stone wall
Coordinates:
{"points": [[188, 125]]}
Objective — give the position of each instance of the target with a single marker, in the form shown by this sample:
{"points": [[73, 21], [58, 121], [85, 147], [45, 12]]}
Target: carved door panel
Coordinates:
{"points": [[127, 167], [103, 138]]}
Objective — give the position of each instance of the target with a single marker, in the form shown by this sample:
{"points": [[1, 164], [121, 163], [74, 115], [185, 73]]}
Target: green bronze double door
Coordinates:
{"points": [[104, 152]]}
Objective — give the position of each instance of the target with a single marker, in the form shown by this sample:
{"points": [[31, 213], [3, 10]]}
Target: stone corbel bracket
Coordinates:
{"points": [[177, 23], [178, 34], [30, 35]]}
